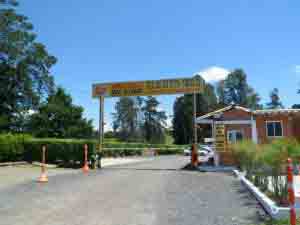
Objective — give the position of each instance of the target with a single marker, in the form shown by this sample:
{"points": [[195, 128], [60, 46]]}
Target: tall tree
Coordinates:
{"points": [[59, 117], [296, 106], [275, 102], [127, 117], [25, 65], [154, 121], [183, 114], [235, 89]]}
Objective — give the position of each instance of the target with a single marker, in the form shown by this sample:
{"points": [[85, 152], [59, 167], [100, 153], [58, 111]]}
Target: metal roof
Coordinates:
{"points": [[275, 111], [254, 112], [223, 110]]}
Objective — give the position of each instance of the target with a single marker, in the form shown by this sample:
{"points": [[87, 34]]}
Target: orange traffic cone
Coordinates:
{"points": [[85, 168], [43, 178]]}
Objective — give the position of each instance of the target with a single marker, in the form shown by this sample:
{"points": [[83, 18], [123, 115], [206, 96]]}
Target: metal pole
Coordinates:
{"points": [[194, 154], [195, 118], [101, 133]]}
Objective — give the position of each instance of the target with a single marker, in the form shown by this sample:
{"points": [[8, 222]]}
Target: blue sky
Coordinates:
{"points": [[109, 40]]}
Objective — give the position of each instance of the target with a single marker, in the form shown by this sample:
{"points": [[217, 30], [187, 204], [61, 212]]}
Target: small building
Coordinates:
{"points": [[234, 123]]}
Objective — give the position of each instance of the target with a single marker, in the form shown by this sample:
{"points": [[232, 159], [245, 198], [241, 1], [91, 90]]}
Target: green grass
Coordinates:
{"points": [[278, 222]]}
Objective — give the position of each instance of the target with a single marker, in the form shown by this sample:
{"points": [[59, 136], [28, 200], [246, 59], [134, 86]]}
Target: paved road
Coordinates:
{"points": [[154, 192]]}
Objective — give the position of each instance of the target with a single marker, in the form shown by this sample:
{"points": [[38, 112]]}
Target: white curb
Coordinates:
{"points": [[269, 205]]}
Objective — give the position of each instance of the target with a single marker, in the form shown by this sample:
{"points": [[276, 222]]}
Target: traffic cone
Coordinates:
{"points": [[85, 168], [43, 178]]}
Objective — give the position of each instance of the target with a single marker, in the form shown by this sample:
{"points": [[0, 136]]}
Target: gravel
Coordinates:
{"points": [[154, 192]]}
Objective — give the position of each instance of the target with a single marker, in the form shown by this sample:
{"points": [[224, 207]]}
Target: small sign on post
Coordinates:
{"points": [[220, 137]]}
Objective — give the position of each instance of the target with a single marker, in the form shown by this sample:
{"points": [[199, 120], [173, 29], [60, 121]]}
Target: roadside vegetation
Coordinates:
{"points": [[69, 152], [278, 222], [265, 165]]}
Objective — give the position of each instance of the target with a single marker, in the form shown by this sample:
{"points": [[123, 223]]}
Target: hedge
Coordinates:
{"points": [[12, 147], [69, 151], [173, 151]]}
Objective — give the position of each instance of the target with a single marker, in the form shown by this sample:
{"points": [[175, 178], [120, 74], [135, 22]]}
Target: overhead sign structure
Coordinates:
{"points": [[146, 88], [149, 87]]}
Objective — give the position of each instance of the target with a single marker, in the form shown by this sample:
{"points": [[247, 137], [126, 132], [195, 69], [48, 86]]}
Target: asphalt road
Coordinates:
{"points": [[154, 192]]}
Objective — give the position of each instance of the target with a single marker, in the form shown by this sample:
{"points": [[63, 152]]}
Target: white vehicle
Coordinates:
{"points": [[203, 156], [210, 154], [208, 149], [186, 151]]}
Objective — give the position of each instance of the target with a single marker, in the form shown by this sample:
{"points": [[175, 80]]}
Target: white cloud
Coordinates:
{"points": [[213, 74], [297, 68]]}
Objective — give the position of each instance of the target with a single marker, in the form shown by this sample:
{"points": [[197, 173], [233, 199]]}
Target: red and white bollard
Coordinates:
{"points": [[291, 193], [43, 178], [85, 167], [194, 156]]}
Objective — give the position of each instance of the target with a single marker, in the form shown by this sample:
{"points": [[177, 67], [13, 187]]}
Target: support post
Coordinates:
{"points": [[291, 193], [254, 130], [101, 131], [194, 154]]}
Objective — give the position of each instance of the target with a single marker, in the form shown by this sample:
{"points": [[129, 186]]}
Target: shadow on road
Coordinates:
{"points": [[249, 200], [142, 169]]}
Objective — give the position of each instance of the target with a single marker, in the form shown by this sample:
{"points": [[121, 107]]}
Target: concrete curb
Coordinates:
{"points": [[269, 205], [224, 169], [14, 163]]}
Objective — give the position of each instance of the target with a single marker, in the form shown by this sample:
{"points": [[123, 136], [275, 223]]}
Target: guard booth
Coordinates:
{"points": [[235, 123]]}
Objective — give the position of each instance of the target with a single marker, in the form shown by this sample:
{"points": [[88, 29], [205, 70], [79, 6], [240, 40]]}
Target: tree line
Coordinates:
{"points": [[29, 99], [232, 90], [139, 119], [31, 102]]}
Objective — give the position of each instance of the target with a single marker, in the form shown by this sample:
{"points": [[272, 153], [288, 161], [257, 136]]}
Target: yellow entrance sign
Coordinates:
{"points": [[149, 87], [220, 137]]}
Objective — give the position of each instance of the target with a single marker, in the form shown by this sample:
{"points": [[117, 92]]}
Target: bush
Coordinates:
{"points": [[69, 151], [65, 151], [247, 156], [12, 147], [172, 151], [265, 163], [120, 152]]}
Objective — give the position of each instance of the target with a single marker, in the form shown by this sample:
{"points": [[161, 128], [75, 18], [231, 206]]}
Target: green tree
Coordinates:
{"points": [[59, 117], [127, 117], [296, 106], [235, 89], [154, 121], [183, 114], [275, 102], [25, 65]]}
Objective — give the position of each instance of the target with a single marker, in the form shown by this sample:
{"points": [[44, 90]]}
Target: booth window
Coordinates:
{"points": [[234, 136], [274, 129]]}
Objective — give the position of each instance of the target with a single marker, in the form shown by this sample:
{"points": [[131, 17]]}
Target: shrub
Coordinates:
{"points": [[247, 156], [274, 156], [12, 147], [169, 151], [66, 151], [264, 162]]}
